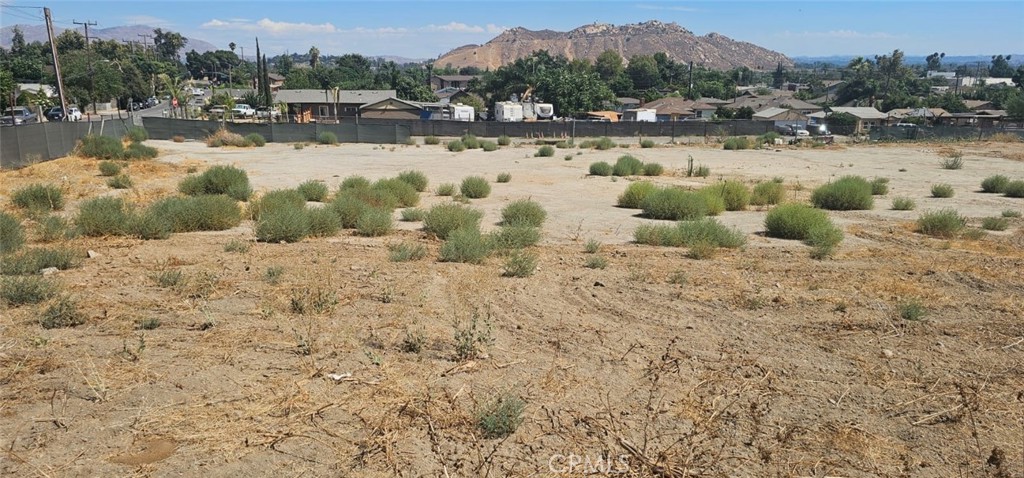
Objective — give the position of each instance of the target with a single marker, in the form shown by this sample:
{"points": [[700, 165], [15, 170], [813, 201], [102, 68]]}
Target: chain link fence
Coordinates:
{"points": [[950, 133], [168, 128]]}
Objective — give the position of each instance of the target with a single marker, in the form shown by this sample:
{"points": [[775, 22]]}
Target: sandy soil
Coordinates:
{"points": [[759, 362]]}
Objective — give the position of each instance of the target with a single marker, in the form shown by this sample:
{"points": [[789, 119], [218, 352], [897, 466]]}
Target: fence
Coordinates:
{"points": [[571, 129], [168, 128], [924, 133], [27, 144]]}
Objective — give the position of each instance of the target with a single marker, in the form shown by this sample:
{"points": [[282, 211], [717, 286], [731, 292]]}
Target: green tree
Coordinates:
{"points": [[1015, 109], [934, 61], [168, 44], [643, 71], [90, 79], [1000, 67], [284, 64], [573, 94], [314, 56], [609, 65], [7, 86], [70, 40]]}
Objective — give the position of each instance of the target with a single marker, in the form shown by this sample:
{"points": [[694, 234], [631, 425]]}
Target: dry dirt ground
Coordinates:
{"points": [[758, 362]]}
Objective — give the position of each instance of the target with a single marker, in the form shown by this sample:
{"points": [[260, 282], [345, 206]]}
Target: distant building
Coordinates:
{"points": [[328, 105]]}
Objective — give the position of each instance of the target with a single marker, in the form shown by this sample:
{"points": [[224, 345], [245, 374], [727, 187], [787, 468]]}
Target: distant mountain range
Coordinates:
{"points": [[589, 41], [842, 60], [35, 33]]}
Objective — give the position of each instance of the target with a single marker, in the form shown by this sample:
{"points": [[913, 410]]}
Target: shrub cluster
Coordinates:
{"points": [[223, 137], [635, 194], [523, 212], [735, 195], [942, 190], [736, 143], [995, 184], [327, 137], [903, 204], [600, 168], [945, 223], [504, 177], [766, 193], [312, 190], [38, 198], [470, 141], [431, 140], [798, 221], [1014, 189], [647, 143], [109, 168], [879, 186], [442, 219], [416, 179], [504, 140], [601, 144], [227, 180], [689, 234], [545, 151], [456, 146], [475, 187], [849, 193], [12, 234], [32, 261]]}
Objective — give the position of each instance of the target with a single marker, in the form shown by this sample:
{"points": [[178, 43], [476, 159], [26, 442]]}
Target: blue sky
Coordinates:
{"points": [[426, 29]]}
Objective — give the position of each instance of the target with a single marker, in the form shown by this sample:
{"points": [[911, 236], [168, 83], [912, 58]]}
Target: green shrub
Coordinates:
{"points": [[592, 246], [736, 143], [911, 310], [713, 199], [768, 193], [628, 166], [974, 234], [200, 213], [17, 291], [62, 313], [139, 151], [53, 228], [849, 193], [945, 223], [634, 195], [475, 187], [32, 261], [823, 238], [465, 244], [903, 204], [1011, 213], [375, 222], [794, 221], [413, 214], [942, 191], [286, 224], [995, 184], [275, 200], [136, 134], [1014, 189], [702, 171], [501, 416], [402, 191], [406, 251], [674, 204], [995, 223], [456, 146], [236, 245], [327, 137], [545, 151], [446, 189], [256, 139], [416, 179], [312, 190], [647, 143], [323, 222], [600, 168], [442, 219], [701, 251], [38, 197], [734, 194], [470, 141], [600, 144], [504, 140], [523, 212], [710, 231], [520, 264], [653, 169], [768, 138], [109, 168], [12, 234], [658, 235], [354, 182], [348, 208], [509, 238], [596, 262], [431, 140], [103, 216], [100, 147], [121, 181], [227, 180], [148, 226], [504, 177], [488, 146], [956, 161], [879, 186]]}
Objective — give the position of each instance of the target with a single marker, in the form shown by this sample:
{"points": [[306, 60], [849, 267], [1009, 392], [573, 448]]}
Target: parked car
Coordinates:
{"points": [[818, 130], [792, 130], [57, 114], [18, 115], [243, 110], [268, 113], [905, 125]]}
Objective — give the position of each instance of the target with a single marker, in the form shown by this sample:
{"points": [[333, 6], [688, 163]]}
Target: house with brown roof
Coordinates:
{"points": [[328, 105], [781, 117], [762, 102], [674, 108], [927, 114], [461, 82], [866, 116]]}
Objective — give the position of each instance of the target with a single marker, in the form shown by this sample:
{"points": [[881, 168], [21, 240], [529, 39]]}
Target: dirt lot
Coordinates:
{"points": [[758, 362]]}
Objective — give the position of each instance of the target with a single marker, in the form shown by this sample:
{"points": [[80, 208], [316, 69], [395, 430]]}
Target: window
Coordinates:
{"points": [[323, 111]]}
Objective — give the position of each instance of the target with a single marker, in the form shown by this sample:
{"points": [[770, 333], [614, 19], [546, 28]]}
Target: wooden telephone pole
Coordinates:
{"points": [[92, 86], [56, 62]]}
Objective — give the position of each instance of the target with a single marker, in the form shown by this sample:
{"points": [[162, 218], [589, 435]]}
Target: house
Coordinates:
{"points": [[394, 108], [461, 82], [329, 105], [929, 114], [674, 108], [982, 119], [276, 81], [761, 102], [978, 105], [781, 117], [626, 103], [866, 116]]}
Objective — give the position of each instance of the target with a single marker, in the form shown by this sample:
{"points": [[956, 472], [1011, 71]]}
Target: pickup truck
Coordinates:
{"points": [[18, 115], [243, 111]]}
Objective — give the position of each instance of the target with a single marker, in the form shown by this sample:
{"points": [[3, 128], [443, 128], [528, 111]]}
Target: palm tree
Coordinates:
{"points": [[175, 87]]}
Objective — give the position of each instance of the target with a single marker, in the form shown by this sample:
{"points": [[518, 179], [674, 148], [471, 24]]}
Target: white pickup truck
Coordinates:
{"points": [[243, 111]]}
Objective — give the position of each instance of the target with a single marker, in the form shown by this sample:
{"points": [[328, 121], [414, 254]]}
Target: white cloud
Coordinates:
{"points": [[269, 26], [844, 34], [145, 20]]}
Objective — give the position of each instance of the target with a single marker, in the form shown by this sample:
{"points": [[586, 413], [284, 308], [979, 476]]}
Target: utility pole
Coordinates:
{"points": [[56, 63], [87, 24], [145, 42], [92, 85]]}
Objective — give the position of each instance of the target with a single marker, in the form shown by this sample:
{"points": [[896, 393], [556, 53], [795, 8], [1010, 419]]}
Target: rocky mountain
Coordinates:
{"points": [[712, 50], [125, 32]]}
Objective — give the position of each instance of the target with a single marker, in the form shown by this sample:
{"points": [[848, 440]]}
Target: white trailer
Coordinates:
{"points": [[461, 112], [648, 115], [508, 111]]}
